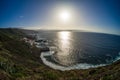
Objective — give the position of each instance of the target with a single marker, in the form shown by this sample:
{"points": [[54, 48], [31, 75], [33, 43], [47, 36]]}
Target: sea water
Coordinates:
{"points": [[79, 50]]}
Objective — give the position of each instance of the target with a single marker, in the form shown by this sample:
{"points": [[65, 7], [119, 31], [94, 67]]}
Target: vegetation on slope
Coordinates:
{"points": [[19, 60]]}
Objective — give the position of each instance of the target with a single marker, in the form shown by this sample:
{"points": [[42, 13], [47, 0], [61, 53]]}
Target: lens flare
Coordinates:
{"points": [[64, 16]]}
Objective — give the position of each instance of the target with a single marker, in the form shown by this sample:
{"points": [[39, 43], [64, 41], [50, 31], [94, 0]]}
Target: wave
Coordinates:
{"points": [[117, 58], [62, 68], [77, 66]]}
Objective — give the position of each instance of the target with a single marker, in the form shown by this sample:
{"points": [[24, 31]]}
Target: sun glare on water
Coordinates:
{"points": [[64, 35], [64, 42]]}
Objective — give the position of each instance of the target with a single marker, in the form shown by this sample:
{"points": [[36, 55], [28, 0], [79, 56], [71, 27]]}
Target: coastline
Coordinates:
{"points": [[22, 62]]}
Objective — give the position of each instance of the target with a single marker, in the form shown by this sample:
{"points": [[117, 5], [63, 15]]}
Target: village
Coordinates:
{"points": [[40, 43]]}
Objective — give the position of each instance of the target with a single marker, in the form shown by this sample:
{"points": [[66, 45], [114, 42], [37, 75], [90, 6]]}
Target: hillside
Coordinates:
{"points": [[21, 61]]}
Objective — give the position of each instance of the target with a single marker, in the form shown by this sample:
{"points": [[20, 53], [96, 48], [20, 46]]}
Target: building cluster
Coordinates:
{"points": [[30, 41]]}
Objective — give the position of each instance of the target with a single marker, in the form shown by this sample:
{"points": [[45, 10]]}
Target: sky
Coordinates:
{"points": [[91, 15]]}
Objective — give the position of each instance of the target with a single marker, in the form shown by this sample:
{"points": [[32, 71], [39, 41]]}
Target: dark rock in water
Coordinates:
{"points": [[38, 40], [41, 40], [44, 41], [44, 49]]}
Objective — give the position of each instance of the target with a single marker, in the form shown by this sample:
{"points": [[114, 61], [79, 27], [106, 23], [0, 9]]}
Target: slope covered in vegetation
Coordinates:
{"points": [[21, 61]]}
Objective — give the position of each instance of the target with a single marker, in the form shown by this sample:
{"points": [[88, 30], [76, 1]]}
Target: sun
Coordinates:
{"points": [[64, 16]]}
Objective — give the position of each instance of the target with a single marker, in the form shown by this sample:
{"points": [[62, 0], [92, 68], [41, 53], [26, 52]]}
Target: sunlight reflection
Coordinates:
{"points": [[64, 42], [63, 56], [64, 35]]}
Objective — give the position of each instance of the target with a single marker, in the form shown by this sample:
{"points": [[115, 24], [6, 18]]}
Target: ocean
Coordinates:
{"points": [[79, 50]]}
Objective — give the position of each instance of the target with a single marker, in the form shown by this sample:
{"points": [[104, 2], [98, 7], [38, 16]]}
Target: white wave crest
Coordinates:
{"points": [[62, 68], [117, 58]]}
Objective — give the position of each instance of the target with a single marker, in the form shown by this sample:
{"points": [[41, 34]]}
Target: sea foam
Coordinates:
{"points": [[62, 68]]}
